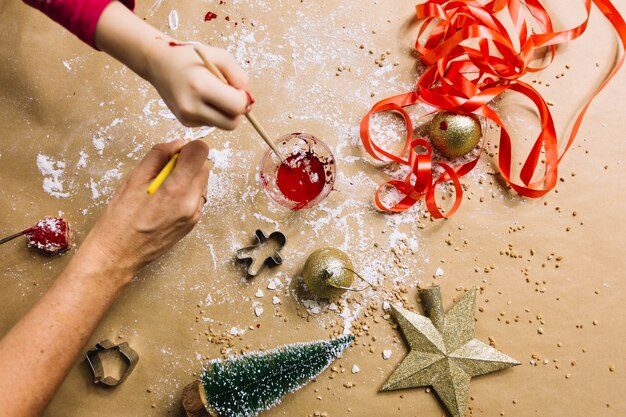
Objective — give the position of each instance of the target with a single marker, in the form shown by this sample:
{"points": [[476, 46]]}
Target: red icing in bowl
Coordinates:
{"points": [[301, 178]]}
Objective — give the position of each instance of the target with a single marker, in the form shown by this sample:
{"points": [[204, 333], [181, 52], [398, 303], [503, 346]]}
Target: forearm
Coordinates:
{"points": [[36, 355], [195, 96], [127, 38]]}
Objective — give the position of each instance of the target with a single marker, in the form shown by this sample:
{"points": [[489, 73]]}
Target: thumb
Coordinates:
{"points": [[156, 159]]}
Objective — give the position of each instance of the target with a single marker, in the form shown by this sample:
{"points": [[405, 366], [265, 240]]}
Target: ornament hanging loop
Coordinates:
{"points": [[350, 288]]}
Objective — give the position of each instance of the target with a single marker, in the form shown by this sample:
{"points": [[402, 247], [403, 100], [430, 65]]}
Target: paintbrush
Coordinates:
{"points": [[251, 118]]}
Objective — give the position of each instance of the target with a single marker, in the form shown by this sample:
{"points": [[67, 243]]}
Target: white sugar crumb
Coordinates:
{"points": [[312, 306], [386, 305], [221, 159], [208, 300], [266, 219], [136, 153], [198, 133], [251, 52], [258, 311], [272, 285], [102, 136], [155, 111], [98, 143], [173, 20], [259, 293], [235, 331], [93, 186], [275, 300], [386, 354], [52, 172], [439, 272], [221, 190], [106, 185], [355, 369], [350, 315], [53, 225], [82, 161], [155, 7]]}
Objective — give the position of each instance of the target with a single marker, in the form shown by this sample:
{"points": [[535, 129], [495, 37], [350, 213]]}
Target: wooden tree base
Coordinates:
{"points": [[195, 402]]}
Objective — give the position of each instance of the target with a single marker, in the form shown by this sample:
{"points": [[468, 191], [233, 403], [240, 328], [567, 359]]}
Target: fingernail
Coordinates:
{"points": [[250, 101]]}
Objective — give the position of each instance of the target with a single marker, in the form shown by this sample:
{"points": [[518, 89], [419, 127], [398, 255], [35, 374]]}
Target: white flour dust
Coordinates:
{"points": [[52, 171]]}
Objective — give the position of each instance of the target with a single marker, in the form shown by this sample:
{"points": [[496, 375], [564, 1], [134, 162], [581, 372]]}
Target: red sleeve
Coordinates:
{"points": [[78, 16]]}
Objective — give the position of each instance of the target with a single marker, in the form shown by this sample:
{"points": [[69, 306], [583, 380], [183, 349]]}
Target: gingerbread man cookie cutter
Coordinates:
{"points": [[127, 355], [255, 265]]}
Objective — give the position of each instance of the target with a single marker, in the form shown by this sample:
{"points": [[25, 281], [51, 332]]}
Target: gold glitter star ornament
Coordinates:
{"points": [[444, 353]]}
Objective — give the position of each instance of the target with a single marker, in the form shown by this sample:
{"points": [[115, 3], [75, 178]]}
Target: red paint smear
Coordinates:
{"points": [[227, 18], [209, 16], [176, 44], [301, 178], [51, 235], [443, 125], [251, 101]]}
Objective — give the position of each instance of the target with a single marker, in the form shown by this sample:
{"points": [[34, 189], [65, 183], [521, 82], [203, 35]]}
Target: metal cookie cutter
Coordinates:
{"points": [[255, 266], [128, 355]]}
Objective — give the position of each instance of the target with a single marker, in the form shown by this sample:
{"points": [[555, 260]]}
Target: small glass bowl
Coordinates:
{"points": [[296, 144]]}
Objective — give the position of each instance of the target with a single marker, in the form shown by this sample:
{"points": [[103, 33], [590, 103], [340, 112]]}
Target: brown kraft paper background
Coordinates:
{"points": [[83, 114]]}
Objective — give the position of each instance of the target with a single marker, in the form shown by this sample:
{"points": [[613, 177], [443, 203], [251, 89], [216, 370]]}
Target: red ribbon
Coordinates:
{"points": [[465, 79]]}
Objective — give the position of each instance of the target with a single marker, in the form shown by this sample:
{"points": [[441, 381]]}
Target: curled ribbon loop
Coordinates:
{"points": [[465, 77]]}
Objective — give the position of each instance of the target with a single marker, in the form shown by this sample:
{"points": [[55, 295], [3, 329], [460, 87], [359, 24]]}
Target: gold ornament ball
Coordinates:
{"points": [[454, 134], [326, 271]]}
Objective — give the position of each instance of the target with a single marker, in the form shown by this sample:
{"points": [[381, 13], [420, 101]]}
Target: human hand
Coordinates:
{"points": [[136, 228], [193, 94]]}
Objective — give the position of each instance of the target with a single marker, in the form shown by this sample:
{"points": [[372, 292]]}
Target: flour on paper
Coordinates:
{"points": [[52, 171]]}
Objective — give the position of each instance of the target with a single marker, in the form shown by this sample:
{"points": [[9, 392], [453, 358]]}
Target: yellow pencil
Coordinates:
{"points": [[158, 180]]}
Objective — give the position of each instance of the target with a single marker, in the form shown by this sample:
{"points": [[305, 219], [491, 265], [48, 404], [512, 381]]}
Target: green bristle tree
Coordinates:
{"points": [[246, 385]]}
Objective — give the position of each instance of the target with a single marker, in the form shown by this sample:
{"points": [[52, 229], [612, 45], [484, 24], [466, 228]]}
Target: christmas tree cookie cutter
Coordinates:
{"points": [[256, 265], [126, 354]]}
